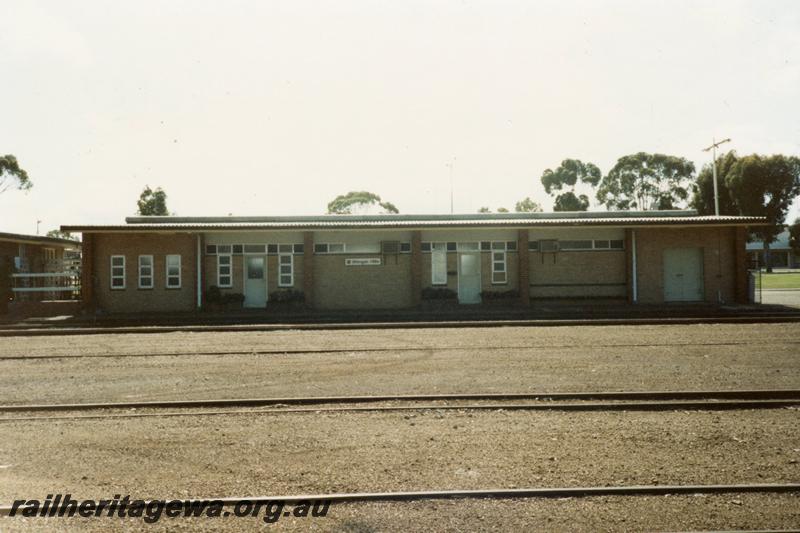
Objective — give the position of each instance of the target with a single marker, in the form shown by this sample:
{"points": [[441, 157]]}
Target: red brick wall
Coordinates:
{"points": [[132, 298]]}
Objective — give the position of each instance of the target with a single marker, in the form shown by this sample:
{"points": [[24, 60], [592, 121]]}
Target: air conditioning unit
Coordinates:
{"points": [[548, 245], [390, 247]]}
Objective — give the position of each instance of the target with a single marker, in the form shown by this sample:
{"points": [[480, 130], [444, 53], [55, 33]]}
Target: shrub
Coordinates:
{"points": [[215, 296], [438, 293], [499, 295], [289, 295]]}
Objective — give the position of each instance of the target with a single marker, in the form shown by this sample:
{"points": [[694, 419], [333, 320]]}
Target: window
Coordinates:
{"points": [[117, 271], [254, 248], [486, 246], [548, 245], [211, 249], [272, 249], [298, 248], [145, 271], [223, 248], [335, 248], [601, 245], [511, 246], [320, 248], [452, 247], [286, 270], [617, 244], [575, 245], [49, 254], [237, 249], [285, 248], [426, 247], [533, 246], [224, 271], [173, 272], [498, 267], [438, 263], [405, 247]]}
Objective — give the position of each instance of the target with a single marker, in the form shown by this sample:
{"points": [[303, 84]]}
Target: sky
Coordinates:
{"points": [[274, 108]]}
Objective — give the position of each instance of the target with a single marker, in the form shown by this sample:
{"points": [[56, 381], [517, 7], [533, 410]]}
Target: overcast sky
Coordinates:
{"points": [[258, 107]]}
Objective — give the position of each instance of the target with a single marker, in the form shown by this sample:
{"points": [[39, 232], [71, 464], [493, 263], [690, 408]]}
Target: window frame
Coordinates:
{"points": [[168, 275], [151, 275], [497, 274], [281, 264], [438, 256], [122, 276], [229, 275]]}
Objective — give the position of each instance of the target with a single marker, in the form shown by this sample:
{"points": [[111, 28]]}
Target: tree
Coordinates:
{"points": [[502, 210], [765, 186], [484, 210], [152, 203], [527, 205], [753, 185], [565, 178], [794, 236], [356, 202], [12, 174], [58, 234], [703, 199], [569, 202], [646, 181]]}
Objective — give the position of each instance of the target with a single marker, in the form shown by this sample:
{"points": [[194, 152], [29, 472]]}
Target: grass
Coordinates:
{"points": [[788, 280]]}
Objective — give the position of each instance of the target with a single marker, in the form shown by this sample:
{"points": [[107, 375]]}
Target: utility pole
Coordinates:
{"points": [[713, 149], [37, 226], [450, 165]]}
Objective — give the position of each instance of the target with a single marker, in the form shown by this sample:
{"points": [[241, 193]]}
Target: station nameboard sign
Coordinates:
{"points": [[363, 261]]}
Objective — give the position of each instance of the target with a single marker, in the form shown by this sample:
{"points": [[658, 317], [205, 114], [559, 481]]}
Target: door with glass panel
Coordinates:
{"points": [[469, 274], [255, 281]]}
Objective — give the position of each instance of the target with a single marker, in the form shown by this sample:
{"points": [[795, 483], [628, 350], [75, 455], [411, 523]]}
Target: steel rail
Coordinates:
{"points": [[315, 351], [21, 331], [545, 406], [762, 394], [542, 493]]}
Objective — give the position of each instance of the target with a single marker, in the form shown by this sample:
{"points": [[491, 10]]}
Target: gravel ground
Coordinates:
{"points": [[643, 513], [448, 360], [241, 455]]}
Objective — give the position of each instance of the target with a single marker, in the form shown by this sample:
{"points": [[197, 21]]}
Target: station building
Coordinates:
{"points": [[158, 264]]}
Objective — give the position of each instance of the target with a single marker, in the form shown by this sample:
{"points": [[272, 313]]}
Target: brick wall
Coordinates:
{"points": [[337, 286], [133, 299], [599, 274], [719, 260]]}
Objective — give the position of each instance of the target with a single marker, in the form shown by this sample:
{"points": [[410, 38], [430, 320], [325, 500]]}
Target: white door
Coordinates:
{"points": [[469, 278], [683, 275], [255, 281]]}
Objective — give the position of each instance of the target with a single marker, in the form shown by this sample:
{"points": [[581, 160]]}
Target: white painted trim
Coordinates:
{"points": [[152, 275], [112, 276], [166, 271], [230, 271], [280, 274]]}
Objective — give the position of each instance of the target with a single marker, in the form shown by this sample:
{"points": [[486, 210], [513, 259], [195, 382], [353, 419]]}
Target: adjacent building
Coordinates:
{"points": [[154, 264], [34, 268], [781, 254]]}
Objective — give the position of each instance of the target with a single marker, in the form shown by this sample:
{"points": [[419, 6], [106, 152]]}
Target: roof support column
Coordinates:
{"points": [[524, 269], [630, 264], [308, 268], [199, 272], [740, 265], [87, 272], [416, 268]]}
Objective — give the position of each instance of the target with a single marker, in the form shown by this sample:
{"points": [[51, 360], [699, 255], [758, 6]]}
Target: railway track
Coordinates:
{"points": [[580, 402], [542, 493], [399, 349], [23, 331]]}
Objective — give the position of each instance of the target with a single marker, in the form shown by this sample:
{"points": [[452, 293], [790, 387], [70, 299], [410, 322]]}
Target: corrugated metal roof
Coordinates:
{"points": [[38, 239], [411, 222]]}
